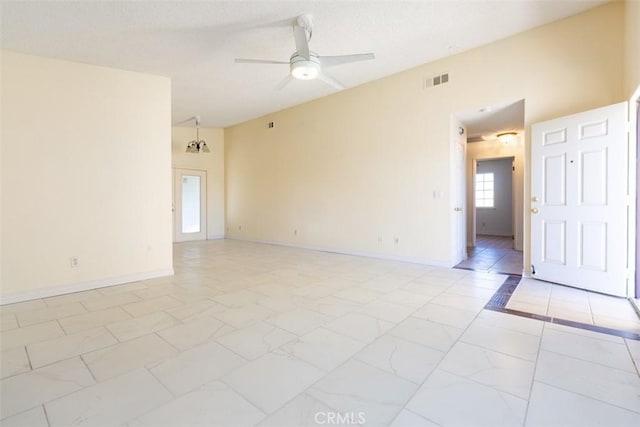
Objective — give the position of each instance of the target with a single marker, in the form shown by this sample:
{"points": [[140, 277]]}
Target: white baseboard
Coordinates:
{"points": [[84, 286], [412, 260], [215, 236]]}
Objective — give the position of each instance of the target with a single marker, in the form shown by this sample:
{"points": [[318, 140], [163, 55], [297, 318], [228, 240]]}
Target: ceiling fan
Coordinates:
{"points": [[305, 64]]}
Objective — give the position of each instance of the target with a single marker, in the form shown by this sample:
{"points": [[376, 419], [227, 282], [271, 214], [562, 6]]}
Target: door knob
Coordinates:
{"points": [[535, 210], [457, 209], [535, 199]]}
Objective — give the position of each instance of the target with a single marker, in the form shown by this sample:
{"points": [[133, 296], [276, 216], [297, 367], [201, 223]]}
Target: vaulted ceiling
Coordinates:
{"points": [[195, 42]]}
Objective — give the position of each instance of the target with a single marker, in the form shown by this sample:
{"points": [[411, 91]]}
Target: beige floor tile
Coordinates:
{"points": [[272, 380], [385, 310], [193, 311], [93, 319], [31, 334], [31, 317], [68, 346], [128, 356], [193, 368], [14, 361], [70, 298], [253, 341], [445, 315], [551, 406], [23, 306], [243, 316], [195, 332], [356, 387], [32, 418], [460, 301], [109, 300], [143, 325], [106, 403], [403, 297], [138, 309], [329, 306], [410, 419], [507, 321], [358, 295], [507, 341], [359, 326], [402, 358], [214, 404], [630, 325], [613, 386], [8, 321], [299, 321], [634, 350], [613, 354], [583, 332], [323, 348], [303, 411], [425, 332], [497, 370], [127, 287], [31, 389], [238, 299], [442, 397]]}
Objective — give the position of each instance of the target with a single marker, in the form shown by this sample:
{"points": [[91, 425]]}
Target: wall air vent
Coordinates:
{"points": [[438, 80]]}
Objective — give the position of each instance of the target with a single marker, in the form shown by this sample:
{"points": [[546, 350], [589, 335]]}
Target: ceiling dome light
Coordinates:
{"points": [[305, 69], [507, 137]]}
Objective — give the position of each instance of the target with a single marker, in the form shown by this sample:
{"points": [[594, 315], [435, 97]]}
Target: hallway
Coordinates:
{"points": [[493, 254]]}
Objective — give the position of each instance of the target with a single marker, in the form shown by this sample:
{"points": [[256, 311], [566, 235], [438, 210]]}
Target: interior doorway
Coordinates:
{"points": [[495, 188]]}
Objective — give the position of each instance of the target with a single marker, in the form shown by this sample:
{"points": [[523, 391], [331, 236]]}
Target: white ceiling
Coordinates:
{"points": [[195, 43]]}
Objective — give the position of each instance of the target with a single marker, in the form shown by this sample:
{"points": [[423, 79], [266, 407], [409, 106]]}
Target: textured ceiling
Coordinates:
{"points": [[195, 43]]}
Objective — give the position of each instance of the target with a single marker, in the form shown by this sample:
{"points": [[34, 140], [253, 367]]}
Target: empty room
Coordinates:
{"points": [[309, 213]]}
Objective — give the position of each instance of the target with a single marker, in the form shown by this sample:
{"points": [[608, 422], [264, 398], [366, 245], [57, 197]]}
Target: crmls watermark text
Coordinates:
{"points": [[333, 418]]}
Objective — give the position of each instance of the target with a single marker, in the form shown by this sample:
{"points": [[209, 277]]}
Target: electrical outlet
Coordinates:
{"points": [[396, 240], [73, 261], [295, 232], [380, 239]]}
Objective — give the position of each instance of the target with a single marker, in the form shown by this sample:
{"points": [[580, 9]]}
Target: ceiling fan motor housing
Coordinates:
{"points": [[303, 68]]}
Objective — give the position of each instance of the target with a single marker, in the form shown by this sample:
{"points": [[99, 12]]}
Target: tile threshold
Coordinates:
{"points": [[502, 296]]}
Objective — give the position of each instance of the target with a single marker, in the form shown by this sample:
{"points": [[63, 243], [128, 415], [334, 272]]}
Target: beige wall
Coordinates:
{"points": [[212, 163], [86, 172], [364, 163], [632, 46], [367, 162], [494, 149]]}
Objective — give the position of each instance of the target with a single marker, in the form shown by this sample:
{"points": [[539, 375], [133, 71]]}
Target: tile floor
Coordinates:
{"points": [[493, 254], [247, 334], [533, 296]]}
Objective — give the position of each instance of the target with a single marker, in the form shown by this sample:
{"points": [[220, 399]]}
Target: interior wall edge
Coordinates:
{"points": [[83, 286]]}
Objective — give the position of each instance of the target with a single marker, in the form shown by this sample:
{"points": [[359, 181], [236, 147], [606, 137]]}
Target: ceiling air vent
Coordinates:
{"points": [[438, 80]]}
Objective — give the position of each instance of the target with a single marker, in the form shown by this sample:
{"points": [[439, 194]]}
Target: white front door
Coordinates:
{"points": [[190, 205], [579, 200], [458, 199]]}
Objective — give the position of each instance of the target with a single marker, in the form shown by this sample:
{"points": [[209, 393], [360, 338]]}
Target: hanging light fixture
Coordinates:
{"points": [[507, 137], [197, 145]]}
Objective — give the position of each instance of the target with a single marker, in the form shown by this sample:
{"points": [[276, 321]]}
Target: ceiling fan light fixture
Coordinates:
{"points": [[305, 70], [507, 137]]}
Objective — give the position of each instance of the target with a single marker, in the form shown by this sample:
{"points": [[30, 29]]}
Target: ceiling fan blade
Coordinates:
{"points": [[330, 81], [330, 61], [258, 61], [284, 82], [302, 45]]}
